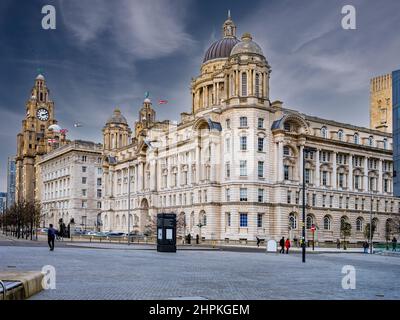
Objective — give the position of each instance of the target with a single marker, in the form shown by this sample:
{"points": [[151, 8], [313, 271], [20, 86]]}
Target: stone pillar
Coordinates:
{"points": [[280, 161], [237, 83], [213, 162], [317, 169], [217, 94], [301, 160], [380, 177], [334, 171], [366, 185], [198, 163], [350, 177], [140, 177]]}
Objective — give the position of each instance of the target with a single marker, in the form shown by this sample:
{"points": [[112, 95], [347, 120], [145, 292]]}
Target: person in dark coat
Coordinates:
{"points": [[337, 243], [258, 241], [51, 235], [282, 245], [394, 244], [189, 238], [197, 239], [365, 246]]}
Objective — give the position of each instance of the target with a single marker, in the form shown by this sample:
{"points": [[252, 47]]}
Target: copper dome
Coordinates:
{"points": [[220, 49]]}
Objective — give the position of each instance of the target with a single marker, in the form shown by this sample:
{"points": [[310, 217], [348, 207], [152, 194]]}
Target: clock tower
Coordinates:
{"points": [[40, 134]]}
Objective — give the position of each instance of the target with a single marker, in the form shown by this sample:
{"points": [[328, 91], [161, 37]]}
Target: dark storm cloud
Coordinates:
{"points": [[108, 53]]}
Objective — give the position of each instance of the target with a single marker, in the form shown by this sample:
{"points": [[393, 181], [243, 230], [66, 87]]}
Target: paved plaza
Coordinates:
{"points": [[119, 273]]}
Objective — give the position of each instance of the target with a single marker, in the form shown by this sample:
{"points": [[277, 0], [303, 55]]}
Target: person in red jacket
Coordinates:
{"points": [[287, 245]]}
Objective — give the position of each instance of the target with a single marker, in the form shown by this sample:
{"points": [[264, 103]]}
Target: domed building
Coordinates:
{"points": [[232, 169]]}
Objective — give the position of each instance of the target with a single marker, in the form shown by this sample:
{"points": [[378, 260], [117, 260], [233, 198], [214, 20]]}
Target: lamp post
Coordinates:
{"points": [[129, 202], [303, 236], [370, 213]]}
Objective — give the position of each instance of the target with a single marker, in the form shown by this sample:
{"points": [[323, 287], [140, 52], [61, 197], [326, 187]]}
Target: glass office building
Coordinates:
{"points": [[396, 131]]}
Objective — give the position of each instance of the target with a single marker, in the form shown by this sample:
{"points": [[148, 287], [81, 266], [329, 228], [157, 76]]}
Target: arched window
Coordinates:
{"points": [[257, 85], [204, 222], [370, 141], [356, 138], [287, 126], [292, 221], [324, 132], [359, 224], [309, 221], [327, 223], [340, 135], [244, 84]]}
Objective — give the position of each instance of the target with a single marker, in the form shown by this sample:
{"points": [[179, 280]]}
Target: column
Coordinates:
{"points": [[206, 97], [140, 177], [280, 161], [317, 168], [212, 162], [301, 160], [250, 82], [198, 165], [237, 83], [334, 172], [380, 190], [136, 178], [217, 94], [214, 102], [190, 162], [366, 185], [350, 176]]}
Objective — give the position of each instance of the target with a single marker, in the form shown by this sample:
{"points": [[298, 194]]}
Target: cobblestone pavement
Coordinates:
{"points": [[85, 273]]}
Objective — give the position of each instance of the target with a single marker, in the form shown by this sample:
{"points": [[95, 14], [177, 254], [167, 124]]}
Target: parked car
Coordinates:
{"points": [[116, 234], [90, 233], [100, 234]]}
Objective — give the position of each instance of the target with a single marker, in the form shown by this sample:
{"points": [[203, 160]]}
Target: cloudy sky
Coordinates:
{"points": [[105, 54]]}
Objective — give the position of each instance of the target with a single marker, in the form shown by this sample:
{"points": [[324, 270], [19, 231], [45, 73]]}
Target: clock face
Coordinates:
{"points": [[42, 114]]}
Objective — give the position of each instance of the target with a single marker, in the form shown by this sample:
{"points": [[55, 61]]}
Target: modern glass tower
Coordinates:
{"points": [[396, 132]]}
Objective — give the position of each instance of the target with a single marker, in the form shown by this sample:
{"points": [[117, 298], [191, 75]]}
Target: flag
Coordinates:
{"points": [[63, 131], [51, 140], [162, 101]]}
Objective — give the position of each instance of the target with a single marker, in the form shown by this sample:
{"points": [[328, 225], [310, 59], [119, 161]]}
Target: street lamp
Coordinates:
{"points": [[200, 225], [306, 150], [370, 212]]}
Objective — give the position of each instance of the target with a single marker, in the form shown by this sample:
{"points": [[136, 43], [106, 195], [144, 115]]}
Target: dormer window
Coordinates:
{"points": [[287, 126], [324, 132], [340, 135], [356, 138]]}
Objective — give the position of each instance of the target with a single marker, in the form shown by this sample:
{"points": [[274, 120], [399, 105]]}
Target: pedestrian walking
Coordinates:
{"points": [[394, 244], [51, 235], [337, 244], [258, 241], [197, 239], [282, 245], [189, 238], [287, 245], [365, 246]]}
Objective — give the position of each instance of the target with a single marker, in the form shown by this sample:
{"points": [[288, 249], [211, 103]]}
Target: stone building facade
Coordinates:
{"points": [[231, 169], [69, 184], [381, 103], [39, 135]]}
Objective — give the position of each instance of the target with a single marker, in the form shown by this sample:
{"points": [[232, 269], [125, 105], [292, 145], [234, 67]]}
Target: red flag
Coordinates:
{"points": [[162, 101]]}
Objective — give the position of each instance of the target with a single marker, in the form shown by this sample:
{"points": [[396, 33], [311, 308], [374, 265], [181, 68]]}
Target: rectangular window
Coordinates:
{"points": [[260, 144], [341, 180], [84, 169], [98, 182], [228, 170], [260, 123], [99, 171], [243, 168], [324, 178], [260, 220], [84, 158], [243, 220], [228, 145], [243, 122], [243, 194], [314, 199], [243, 143], [307, 175], [323, 201], [260, 169], [98, 204], [289, 197], [84, 179], [228, 219], [286, 172], [340, 202], [84, 193], [331, 201], [260, 195], [84, 204], [98, 193], [228, 194], [228, 123]]}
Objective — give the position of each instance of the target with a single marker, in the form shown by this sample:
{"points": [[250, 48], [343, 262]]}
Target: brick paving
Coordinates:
{"points": [[89, 273]]}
